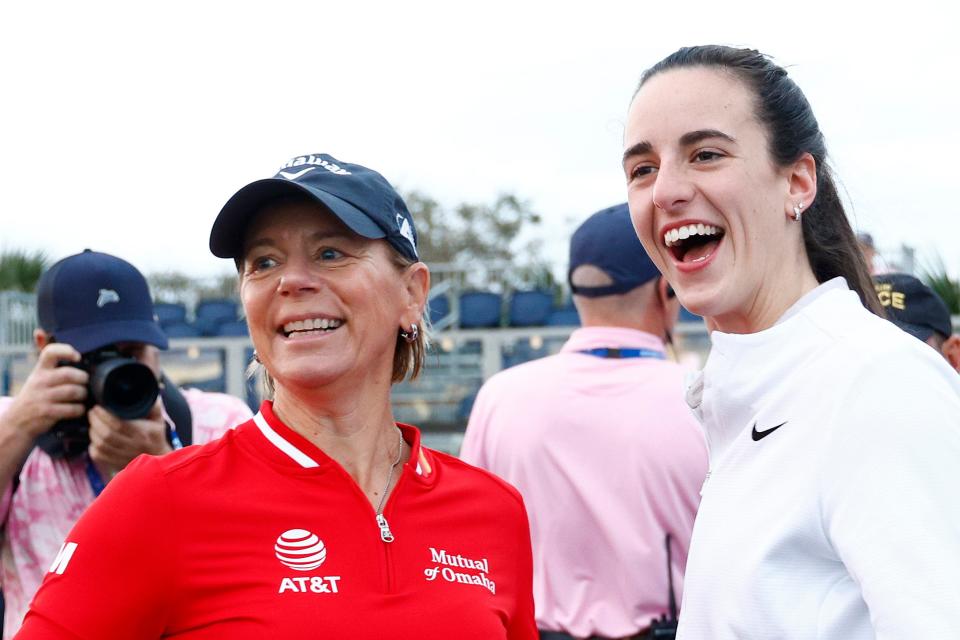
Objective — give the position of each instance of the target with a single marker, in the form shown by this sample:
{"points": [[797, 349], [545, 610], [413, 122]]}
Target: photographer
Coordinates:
{"points": [[59, 445]]}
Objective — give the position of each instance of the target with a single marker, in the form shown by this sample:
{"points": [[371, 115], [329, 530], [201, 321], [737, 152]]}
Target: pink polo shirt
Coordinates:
{"points": [[608, 458]]}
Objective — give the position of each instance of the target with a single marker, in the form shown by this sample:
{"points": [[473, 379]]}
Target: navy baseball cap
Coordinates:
{"points": [[912, 305], [607, 241], [361, 198], [91, 300]]}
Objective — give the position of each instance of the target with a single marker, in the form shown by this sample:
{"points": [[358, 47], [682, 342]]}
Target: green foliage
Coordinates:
{"points": [[490, 246], [937, 278], [20, 270]]}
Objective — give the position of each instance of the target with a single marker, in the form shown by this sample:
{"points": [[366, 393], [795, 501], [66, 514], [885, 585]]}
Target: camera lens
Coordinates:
{"points": [[125, 387]]}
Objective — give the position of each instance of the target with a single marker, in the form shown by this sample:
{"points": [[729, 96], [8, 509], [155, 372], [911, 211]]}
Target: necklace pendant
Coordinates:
{"points": [[385, 534]]}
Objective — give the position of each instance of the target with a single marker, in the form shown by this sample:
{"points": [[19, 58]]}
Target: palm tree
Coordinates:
{"points": [[20, 269], [937, 278]]}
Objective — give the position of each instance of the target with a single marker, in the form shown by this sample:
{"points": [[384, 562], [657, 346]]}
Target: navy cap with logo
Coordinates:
{"points": [[91, 300], [361, 198], [912, 305], [607, 241]]}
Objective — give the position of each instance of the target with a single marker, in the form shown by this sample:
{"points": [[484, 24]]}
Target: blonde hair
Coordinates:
{"points": [[409, 357]]}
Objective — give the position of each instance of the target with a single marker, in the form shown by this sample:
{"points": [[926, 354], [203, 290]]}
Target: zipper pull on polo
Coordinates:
{"points": [[385, 534]]}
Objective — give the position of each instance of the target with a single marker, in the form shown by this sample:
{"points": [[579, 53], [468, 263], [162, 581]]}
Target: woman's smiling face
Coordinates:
{"points": [[321, 301], [708, 202]]}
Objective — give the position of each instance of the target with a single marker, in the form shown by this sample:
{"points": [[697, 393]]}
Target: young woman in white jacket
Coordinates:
{"points": [[831, 510]]}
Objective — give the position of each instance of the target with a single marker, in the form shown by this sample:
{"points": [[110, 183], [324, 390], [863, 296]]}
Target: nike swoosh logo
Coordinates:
{"points": [[757, 435], [294, 176]]}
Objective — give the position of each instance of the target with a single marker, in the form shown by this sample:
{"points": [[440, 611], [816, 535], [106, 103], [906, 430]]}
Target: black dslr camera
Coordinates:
{"points": [[123, 386]]}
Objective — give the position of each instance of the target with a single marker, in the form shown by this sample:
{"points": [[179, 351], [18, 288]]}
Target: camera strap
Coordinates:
{"points": [[180, 424]]}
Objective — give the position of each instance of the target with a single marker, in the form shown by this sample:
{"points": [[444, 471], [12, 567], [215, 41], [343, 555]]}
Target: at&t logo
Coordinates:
{"points": [[303, 550], [300, 550]]}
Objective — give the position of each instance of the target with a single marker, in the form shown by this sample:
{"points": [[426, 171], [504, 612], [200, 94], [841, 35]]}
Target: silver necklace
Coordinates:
{"points": [[385, 534]]}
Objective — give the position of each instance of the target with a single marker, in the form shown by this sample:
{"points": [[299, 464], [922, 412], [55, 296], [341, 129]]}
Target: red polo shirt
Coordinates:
{"points": [[260, 534]]}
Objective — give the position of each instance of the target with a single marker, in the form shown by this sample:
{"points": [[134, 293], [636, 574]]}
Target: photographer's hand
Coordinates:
{"points": [[115, 442], [50, 393]]}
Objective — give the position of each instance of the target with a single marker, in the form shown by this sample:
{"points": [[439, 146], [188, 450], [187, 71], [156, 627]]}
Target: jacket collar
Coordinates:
{"points": [[742, 369]]}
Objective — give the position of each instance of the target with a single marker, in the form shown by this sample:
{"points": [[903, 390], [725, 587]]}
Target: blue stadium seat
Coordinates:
{"points": [[530, 308], [233, 328], [439, 308], [169, 313], [479, 309], [470, 348], [687, 316], [521, 351], [566, 316], [465, 407], [181, 330], [210, 314]]}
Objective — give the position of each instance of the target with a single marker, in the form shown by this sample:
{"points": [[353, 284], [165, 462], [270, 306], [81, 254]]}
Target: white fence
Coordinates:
{"points": [[18, 317]]}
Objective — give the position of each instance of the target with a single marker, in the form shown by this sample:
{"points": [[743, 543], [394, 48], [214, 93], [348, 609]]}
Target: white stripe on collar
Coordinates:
{"points": [[277, 440], [423, 466]]}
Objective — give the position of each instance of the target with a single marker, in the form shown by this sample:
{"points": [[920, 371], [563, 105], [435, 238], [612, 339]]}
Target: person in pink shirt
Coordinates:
{"points": [[87, 303], [600, 443]]}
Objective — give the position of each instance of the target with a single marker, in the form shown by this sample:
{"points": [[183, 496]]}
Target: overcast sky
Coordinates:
{"points": [[125, 128]]}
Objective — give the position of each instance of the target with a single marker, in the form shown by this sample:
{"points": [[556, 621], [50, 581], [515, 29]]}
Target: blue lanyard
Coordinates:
{"points": [[618, 353], [174, 439], [96, 480]]}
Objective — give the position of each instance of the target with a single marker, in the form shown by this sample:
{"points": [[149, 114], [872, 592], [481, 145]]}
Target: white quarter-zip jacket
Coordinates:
{"points": [[832, 507]]}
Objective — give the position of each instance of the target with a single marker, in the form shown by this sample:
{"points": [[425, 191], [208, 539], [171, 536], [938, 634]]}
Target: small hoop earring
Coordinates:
{"points": [[256, 356], [412, 335], [797, 209]]}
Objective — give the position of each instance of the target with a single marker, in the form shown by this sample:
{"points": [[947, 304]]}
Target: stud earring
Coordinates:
{"points": [[256, 356], [797, 209], [412, 335]]}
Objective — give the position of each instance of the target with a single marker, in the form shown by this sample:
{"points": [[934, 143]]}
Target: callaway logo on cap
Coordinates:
{"points": [[361, 198]]}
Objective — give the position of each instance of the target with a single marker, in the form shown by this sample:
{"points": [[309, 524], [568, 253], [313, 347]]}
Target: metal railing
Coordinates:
{"points": [[18, 317], [459, 361]]}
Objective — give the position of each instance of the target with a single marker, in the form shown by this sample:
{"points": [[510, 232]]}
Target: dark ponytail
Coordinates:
{"points": [[793, 130]]}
